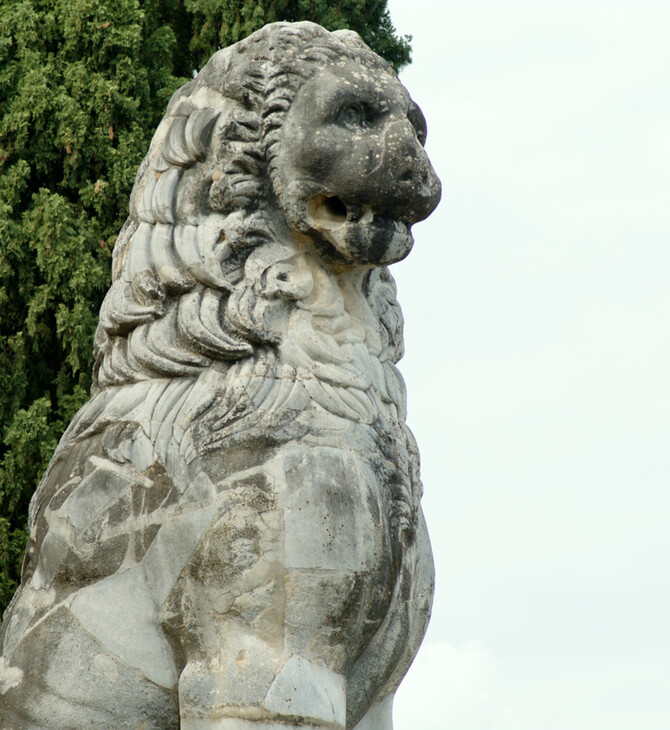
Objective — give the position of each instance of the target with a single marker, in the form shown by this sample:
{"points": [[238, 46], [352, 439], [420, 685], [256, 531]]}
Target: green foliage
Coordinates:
{"points": [[83, 84]]}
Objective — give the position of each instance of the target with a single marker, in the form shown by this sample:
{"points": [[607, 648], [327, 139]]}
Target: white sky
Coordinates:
{"points": [[538, 351]]}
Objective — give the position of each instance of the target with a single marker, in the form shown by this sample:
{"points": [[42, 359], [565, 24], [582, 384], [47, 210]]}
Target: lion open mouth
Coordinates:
{"points": [[359, 233], [329, 210]]}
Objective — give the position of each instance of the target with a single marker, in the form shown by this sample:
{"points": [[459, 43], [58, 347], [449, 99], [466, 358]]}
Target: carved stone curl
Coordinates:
{"points": [[229, 535]]}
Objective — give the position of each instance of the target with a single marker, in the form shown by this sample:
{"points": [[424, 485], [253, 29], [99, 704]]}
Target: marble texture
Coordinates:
{"points": [[229, 535]]}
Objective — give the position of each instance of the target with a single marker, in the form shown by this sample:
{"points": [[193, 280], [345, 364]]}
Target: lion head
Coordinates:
{"points": [[294, 139]]}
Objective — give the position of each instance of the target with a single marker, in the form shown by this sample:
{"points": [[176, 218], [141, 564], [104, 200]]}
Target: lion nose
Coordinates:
{"points": [[416, 186]]}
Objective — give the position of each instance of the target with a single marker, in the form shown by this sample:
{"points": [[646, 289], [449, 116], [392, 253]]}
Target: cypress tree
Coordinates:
{"points": [[83, 84]]}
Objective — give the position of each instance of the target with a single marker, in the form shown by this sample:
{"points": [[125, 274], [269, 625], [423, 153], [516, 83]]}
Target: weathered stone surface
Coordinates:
{"points": [[229, 535]]}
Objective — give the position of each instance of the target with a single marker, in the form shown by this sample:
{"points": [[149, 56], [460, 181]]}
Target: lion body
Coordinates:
{"points": [[229, 534]]}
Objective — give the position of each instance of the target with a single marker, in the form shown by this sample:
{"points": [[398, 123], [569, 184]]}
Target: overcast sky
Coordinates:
{"points": [[537, 329]]}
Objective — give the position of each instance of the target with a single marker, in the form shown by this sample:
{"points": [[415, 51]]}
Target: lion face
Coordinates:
{"points": [[353, 171]]}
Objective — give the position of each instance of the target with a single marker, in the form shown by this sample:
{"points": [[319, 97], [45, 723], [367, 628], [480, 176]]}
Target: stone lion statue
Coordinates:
{"points": [[229, 534]]}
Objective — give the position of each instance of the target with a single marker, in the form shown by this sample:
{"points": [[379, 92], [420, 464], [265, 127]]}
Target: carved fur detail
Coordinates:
{"points": [[183, 235]]}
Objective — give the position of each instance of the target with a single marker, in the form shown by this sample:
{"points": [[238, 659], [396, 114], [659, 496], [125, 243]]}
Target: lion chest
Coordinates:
{"points": [[300, 550]]}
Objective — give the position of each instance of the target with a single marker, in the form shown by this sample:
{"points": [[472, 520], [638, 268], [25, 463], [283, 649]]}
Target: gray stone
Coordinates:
{"points": [[124, 600], [230, 534], [308, 690]]}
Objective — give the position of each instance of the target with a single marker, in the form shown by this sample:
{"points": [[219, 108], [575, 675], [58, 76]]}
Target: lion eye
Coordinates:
{"points": [[357, 114]]}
